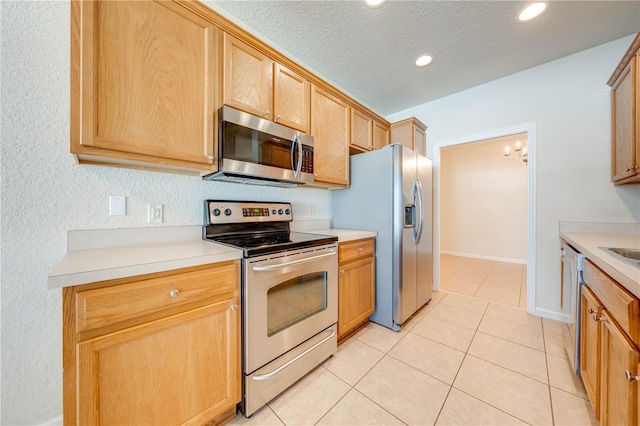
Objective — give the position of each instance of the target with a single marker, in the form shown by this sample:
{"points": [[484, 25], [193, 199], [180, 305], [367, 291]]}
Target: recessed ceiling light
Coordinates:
{"points": [[533, 10], [375, 3], [424, 60]]}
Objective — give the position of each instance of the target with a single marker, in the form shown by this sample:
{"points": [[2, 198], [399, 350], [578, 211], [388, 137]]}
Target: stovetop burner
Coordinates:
{"points": [[256, 227]]}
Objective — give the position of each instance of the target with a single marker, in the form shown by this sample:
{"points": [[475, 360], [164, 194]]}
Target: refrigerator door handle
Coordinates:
{"points": [[417, 194]]}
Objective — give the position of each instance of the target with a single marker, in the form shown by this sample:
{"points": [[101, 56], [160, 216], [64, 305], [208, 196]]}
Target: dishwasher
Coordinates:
{"points": [[572, 266]]}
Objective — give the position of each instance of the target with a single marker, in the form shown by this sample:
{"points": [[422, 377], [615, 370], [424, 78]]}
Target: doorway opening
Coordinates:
{"points": [[484, 216]]}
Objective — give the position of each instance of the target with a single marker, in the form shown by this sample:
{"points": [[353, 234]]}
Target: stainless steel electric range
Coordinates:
{"points": [[289, 294]]}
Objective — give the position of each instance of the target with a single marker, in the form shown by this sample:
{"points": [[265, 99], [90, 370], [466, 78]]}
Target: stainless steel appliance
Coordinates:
{"points": [[260, 152], [572, 281], [391, 193], [289, 294]]}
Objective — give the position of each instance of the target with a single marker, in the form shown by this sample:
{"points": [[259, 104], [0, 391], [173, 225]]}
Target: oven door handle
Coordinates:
{"points": [[294, 359], [293, 262]]}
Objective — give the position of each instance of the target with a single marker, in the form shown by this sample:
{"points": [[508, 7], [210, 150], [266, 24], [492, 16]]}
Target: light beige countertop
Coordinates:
{"points": [[345, 234], [86, 266], [593, 244], [105, 254]]}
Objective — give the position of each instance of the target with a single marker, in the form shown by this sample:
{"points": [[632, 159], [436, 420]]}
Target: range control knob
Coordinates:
{"points": [[287, 211], [273, 211], [216, 212], [280, 211], [227, 212]]}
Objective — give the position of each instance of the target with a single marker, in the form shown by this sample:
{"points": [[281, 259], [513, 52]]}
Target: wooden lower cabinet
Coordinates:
{"points": [[356, 284], [590, 343], [619, 392], [180, 366], [609, 348]]}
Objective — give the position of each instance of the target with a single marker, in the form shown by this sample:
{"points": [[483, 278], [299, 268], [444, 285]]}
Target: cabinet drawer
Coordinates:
{"points": [[623, 306], [355, 249], [110, 305]]}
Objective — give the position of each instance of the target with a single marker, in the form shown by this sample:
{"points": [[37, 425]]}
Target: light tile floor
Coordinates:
{"points": [[499, 282], [458, 361]]}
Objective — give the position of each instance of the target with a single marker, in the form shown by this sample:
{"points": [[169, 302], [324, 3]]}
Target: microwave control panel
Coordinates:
{"points": [[307, 161]]}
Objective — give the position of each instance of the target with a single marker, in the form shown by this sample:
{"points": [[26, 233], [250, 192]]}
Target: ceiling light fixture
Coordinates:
{"points": [[520, 151], [374, 3], [533, 10], [424, 60]]}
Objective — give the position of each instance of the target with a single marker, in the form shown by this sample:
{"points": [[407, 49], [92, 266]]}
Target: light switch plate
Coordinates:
{"points": [[117, 205]]}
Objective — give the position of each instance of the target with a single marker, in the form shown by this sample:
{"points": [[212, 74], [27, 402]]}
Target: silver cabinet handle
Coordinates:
{"points": [[590, 310], [278, 117], [212, 157], [342, 271], [631, 377], [174, 293], [267, 112], [293, 262], [233, 307], [294, 359]]}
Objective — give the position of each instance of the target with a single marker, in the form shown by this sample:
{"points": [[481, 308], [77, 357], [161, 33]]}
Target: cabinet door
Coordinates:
{"points": [[590, 341], [623, 124], [143, 82], [403, 133], [619, 391], [247, 78], [361, 130], [183, 369], [330, 128], [419, 141], [356, 294], [291, 99], [380, 135]]}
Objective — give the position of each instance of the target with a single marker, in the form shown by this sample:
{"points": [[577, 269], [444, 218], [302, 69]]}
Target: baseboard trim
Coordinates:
{"points": [[482, 257], [56, 421]]}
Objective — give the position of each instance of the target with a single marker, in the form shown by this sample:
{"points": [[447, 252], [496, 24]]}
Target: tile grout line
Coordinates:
{"points": [[546, 362]]}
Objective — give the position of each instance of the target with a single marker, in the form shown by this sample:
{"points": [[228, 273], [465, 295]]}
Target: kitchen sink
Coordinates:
{"points": [[630, 255]]}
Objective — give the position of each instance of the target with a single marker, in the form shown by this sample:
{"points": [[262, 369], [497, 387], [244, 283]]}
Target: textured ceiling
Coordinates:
{"points": [[369, 52]]}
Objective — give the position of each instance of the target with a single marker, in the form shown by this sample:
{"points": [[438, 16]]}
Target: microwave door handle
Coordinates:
{"points": [[299, 168], [296, 145]]}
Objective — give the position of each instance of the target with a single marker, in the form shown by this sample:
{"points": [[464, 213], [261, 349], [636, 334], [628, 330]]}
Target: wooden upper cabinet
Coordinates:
{"points": [[625, 117], [330, 128], [410, 133], [291, 99], [247, 78], [361, 130], [143, 85], [254, 83], [380, 135]]}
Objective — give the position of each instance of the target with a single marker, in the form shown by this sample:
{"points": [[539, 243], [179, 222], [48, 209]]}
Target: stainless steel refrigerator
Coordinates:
{"points": [[391, 193]]}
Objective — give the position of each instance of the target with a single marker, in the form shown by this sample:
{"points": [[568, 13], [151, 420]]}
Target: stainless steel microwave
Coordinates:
{"points": [[257, 151]]}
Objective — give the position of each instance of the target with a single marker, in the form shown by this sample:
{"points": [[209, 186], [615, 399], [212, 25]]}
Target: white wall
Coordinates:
{"points": [[568, 100], [483, 201], [44, 194]]}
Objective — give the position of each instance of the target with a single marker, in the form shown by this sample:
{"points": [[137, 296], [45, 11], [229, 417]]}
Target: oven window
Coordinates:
{"points": [[295, 300]]}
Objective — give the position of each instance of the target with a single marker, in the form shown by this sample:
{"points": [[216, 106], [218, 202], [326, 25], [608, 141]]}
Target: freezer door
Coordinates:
{"points": [[424, 248], [406, 295]]}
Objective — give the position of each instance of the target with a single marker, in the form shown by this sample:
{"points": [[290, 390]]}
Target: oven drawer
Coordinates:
{"points": [[114, 304], [266, 383], [355, 249]]}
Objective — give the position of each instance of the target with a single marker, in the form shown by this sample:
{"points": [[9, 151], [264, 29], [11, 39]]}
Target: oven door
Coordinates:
{"points": [[287, 299]]}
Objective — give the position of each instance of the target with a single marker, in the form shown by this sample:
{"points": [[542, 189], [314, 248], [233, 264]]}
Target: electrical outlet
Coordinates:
{"points": [[155, 213]]}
